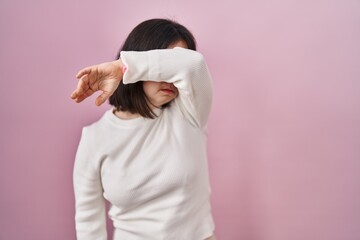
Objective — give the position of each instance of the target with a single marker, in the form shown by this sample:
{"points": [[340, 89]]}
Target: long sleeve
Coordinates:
{"points": [[185, 68], [90, 215]]}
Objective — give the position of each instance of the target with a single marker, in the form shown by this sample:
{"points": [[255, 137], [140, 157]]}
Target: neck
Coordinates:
{"points": [[126, 115]]}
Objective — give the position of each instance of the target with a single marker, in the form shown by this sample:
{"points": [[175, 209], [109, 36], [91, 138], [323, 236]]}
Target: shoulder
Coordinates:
{"points": [[93, 131]]}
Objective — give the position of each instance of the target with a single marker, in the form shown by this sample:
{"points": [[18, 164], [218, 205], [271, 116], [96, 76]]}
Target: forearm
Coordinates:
{"points": [[169, 65]]}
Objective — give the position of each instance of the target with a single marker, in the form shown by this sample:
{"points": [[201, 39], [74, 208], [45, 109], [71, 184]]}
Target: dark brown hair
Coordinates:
{"points": [[148, 35]]}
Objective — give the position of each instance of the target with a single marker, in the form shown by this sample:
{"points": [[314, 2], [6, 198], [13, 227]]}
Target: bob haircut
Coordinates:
{"points": [[148, 35]]}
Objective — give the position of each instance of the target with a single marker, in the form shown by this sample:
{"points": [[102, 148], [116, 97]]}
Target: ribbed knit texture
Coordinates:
{"points": [[154, 172]]}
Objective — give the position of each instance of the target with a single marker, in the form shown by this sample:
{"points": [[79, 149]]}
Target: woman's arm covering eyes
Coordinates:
{"points": [[185, 68]]}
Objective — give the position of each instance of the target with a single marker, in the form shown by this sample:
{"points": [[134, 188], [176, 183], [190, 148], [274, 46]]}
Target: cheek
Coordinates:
{"points": [[149, 88]]}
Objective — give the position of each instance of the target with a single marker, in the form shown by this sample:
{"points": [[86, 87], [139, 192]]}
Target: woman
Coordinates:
{"points": [[146, 155]]}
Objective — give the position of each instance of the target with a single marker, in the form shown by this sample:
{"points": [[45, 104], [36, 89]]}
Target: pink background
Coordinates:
{"points": [[284, 141]]}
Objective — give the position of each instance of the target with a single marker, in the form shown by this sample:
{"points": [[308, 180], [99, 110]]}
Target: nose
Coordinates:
{"points": [[168, 85]]}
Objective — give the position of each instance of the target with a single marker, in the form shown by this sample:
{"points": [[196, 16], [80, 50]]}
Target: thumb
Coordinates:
{"points": [[102, 98]]}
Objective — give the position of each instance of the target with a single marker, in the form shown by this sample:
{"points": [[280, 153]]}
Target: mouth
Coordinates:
{"points": [[167, 91]]}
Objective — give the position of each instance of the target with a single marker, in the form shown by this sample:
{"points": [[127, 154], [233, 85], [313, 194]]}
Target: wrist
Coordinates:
{"points": [[120, 66]]}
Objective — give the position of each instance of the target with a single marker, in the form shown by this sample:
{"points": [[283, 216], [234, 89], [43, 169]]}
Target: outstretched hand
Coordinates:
{"points": [[105, 77]]}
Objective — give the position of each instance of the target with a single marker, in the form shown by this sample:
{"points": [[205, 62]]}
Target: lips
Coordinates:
{"points": [[167, 90]]}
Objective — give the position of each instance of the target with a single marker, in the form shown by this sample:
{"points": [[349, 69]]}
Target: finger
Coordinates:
{"points": [[81, 88], [83, 85], [73, 94], [102, 98], [80, 98], [83, 71]]}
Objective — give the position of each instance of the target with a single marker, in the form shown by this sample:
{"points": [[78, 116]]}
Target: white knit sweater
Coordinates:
{"points": [[154, 172]]}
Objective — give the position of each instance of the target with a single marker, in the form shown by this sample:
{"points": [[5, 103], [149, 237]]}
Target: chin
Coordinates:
{"points": [[167, 104]]}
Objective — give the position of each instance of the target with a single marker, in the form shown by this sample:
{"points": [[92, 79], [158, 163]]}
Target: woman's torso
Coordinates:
{"points": [[155, 175]]}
